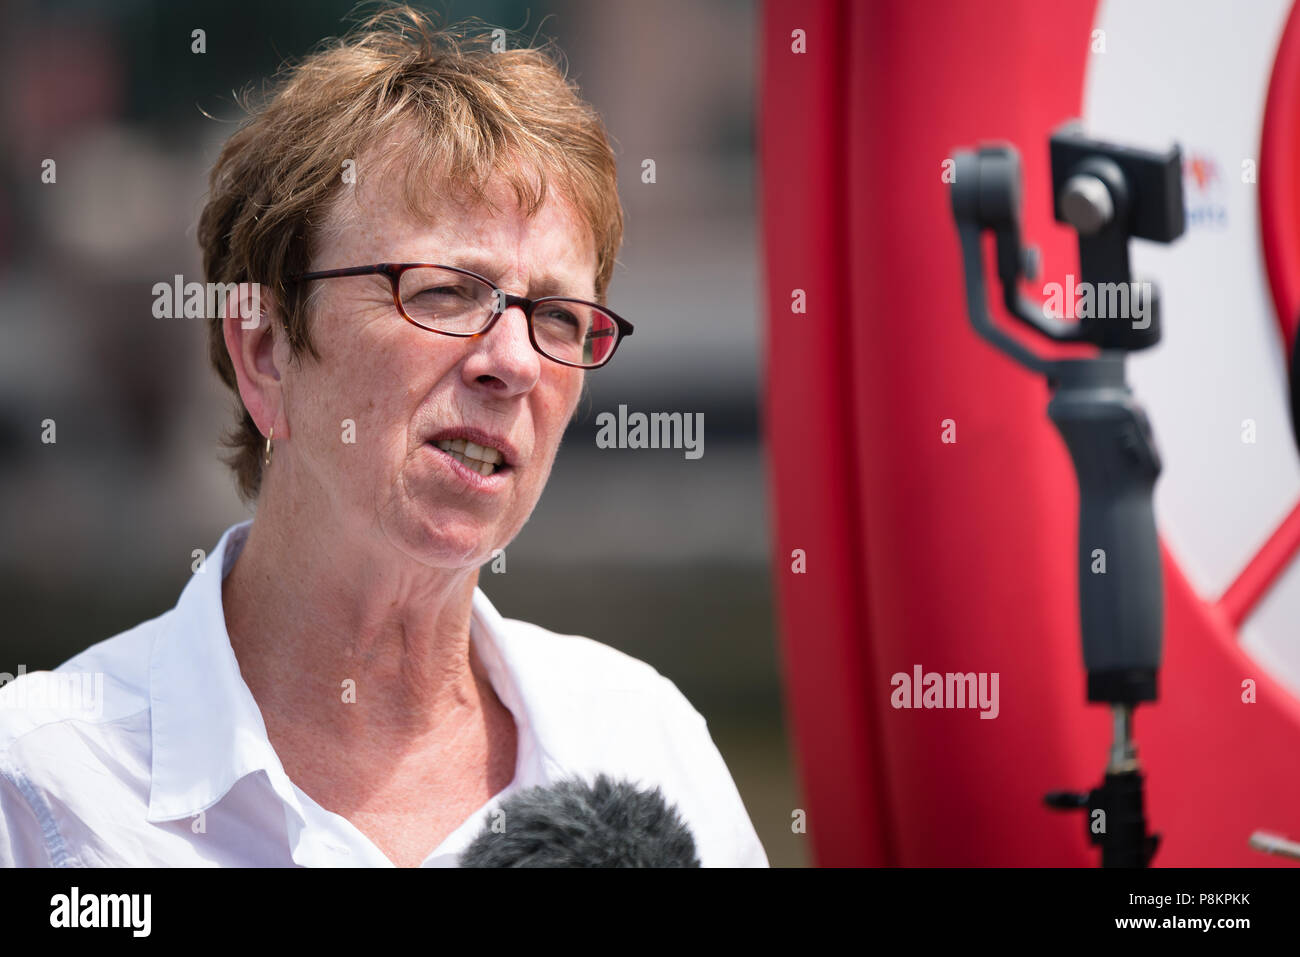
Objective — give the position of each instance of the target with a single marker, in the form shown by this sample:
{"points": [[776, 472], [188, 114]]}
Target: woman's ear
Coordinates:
{"points": [[251, 328]]}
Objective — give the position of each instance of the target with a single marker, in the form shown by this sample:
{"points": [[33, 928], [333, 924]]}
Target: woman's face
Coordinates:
{"points": [[362, 419]]}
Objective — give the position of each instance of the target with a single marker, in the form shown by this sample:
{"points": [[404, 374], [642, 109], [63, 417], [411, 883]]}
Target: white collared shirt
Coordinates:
{"points": [[148, 749]]}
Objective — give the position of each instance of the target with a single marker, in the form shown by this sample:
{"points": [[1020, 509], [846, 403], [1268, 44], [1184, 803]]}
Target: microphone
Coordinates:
{"points": [[575, 824]]}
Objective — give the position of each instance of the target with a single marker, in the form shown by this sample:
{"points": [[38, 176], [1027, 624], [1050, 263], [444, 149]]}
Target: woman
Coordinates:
{"points": [[332, 687]]}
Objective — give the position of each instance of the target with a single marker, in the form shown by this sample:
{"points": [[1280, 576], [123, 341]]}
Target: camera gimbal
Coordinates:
{"points": [[1108, 193]]}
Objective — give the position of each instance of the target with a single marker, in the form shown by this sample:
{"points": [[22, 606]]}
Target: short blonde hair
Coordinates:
{"points": [[474, 113]]}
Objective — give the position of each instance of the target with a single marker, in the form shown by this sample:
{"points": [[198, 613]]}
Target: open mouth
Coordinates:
{"points": [[482, 459]]}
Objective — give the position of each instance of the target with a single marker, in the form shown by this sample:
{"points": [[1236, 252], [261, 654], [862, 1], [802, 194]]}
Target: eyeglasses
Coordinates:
{"points": [[457, 302]]}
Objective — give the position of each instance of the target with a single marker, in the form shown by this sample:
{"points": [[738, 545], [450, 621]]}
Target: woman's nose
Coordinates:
{"points": [[505, 352]]}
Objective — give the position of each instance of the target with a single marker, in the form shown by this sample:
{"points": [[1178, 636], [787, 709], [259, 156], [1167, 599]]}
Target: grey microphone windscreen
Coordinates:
{"points": [[575, 824]]}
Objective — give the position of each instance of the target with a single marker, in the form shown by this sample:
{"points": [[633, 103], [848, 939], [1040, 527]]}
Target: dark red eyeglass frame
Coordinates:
{"points": [[394, 273]]}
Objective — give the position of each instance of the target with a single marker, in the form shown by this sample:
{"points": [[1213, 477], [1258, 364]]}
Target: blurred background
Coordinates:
{"points": [[98, 527]]}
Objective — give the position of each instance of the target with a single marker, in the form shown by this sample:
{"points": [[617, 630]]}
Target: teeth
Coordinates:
{"points": [[484, 453], [481, 458]]}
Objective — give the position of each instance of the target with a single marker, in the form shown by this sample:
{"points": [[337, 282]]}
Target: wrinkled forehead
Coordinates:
{"points": [[396, 210]]}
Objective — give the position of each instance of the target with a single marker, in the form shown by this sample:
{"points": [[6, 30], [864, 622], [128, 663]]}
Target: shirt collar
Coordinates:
{"points": [[207, 730]]}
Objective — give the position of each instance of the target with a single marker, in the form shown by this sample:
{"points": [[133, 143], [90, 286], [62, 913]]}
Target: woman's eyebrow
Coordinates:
{"points": [[546, 285]]}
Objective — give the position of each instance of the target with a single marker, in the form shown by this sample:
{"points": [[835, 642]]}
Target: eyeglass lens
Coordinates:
{"points": [[446, 301]]}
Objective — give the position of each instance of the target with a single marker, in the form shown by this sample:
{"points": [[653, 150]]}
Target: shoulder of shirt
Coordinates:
{"points": [[106, 682], [636, 722], [586, 667]]}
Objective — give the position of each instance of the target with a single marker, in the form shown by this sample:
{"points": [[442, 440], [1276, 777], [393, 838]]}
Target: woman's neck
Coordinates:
{"points": [[349, 647]]}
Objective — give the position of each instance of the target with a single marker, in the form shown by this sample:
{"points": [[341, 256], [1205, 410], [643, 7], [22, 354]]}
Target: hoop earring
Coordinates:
{"points": [[267, 459]]}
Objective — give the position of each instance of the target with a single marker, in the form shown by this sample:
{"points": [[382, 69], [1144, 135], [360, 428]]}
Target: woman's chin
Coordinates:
{"points": [[449, 543]]}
